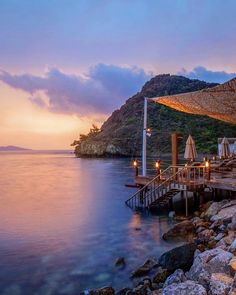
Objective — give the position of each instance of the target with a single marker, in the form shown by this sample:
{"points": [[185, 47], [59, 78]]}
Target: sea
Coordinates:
{"points": [[64, 222]]}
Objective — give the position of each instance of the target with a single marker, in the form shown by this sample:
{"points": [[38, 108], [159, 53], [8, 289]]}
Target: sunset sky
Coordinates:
{"points": [[65, 64]]}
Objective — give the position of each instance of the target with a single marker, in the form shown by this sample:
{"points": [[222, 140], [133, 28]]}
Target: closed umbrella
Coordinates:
{"points": [[225, 150], [190, 149]]}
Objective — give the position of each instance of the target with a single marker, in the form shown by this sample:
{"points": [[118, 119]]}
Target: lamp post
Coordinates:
{"points": [[135, 164]]}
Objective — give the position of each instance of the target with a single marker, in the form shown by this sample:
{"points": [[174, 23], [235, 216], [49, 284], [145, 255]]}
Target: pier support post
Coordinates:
{"points": [[186, 203]]}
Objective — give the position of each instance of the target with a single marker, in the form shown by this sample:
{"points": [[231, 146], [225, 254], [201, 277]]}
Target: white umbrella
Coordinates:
{"points": [[190, 149], [225, 150]]}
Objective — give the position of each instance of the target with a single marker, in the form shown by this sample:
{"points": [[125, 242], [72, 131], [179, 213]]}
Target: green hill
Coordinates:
{"points": [[121, 134]]}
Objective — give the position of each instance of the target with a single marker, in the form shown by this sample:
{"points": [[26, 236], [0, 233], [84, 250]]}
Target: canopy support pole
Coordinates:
{"points": [[144, 153]]}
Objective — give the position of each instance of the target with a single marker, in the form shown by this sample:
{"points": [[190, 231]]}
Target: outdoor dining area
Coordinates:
{"points": [[213, 173]]}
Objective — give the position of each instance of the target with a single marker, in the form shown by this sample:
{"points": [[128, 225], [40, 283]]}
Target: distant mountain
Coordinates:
{"points": [[121, 134], [12, 148]]}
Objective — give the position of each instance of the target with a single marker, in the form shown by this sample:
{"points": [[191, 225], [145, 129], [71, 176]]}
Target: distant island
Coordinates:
{"points": [[12, 148]]}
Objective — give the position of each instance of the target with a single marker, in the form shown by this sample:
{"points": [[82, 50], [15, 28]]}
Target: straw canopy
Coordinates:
{"points": [[225, 150], [218, 102], [190, 149]]}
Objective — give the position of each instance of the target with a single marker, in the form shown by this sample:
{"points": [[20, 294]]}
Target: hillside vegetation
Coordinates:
{"points": [[121, 134]]}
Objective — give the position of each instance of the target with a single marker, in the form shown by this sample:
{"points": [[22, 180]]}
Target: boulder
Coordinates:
{"points": [[220, 284], [177, 277], [208, 262], [145, 268], [214, 208], [180, 230], [179, 257], [225, 214], [185, 288], [160, 275]]}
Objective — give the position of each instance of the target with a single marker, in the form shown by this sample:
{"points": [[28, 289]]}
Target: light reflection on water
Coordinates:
{"points": [[64, 223]]}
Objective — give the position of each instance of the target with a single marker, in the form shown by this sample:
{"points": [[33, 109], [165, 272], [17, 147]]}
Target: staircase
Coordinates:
{"points": [[161, 189]]}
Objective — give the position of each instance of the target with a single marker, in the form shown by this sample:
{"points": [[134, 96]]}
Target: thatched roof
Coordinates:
{"points": [[218, 102]]}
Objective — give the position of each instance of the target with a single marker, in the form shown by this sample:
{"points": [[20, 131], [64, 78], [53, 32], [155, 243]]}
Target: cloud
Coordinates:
{"points": [[101, 90], [203, 73]]}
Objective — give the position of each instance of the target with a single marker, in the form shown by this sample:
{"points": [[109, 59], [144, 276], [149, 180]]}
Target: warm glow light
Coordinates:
{"points": [[207, 164], [135, 163], [157, 164]]}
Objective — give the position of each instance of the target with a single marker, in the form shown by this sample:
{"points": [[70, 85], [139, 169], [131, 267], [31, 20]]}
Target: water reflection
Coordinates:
{"points": [[64, 222]]}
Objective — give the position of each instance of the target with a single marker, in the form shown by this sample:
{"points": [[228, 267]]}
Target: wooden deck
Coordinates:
{"points": [[218, 181]]}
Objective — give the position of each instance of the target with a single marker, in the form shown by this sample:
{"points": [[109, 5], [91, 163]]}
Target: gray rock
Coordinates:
{"points": [[186, 288], [214, 208], [208, 262], [220, 284], [232, 247], [225, 214], [179, 257], [222, 228], [219, 237], [200, 229], [232, 225], [177, 277]]}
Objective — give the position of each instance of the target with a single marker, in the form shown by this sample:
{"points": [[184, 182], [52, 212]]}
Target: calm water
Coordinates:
{"points": [[63, 223]]}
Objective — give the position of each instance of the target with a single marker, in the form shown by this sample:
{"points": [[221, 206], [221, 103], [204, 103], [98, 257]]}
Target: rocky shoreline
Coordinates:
{"points": [[205, 264]]}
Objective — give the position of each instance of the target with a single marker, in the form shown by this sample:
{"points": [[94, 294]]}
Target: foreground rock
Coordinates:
{"points": [[220, 284], [177, 277], [179, 257], [209, 262], [186, 288]]}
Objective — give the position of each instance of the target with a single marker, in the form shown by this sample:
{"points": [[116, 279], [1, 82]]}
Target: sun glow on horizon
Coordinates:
{"points": [[25, 124]]}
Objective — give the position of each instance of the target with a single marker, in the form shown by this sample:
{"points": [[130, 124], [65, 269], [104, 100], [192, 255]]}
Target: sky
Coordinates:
{"points": [[66, 64]]}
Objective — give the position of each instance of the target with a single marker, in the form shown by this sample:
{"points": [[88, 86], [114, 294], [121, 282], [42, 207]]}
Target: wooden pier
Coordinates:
{"points": [[183, 180]]}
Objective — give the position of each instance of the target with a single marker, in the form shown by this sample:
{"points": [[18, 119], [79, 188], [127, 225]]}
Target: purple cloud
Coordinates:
{"points": [[204, 74], [104, 88]]}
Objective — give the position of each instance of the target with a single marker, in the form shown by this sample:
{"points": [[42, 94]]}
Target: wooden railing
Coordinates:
{"points": [[174, 177]]}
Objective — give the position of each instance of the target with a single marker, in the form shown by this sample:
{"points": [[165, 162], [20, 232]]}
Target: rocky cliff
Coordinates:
{"points": [[121, 134]]}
